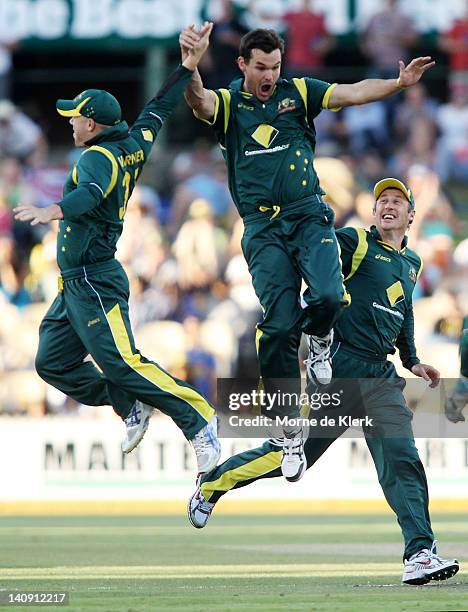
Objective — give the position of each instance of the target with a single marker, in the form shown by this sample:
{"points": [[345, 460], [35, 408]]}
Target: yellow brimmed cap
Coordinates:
{"points": [[393, 183], [95, 104]]}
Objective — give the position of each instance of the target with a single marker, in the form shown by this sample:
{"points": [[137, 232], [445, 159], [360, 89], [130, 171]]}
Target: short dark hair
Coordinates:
{"points": [[265, 40]]}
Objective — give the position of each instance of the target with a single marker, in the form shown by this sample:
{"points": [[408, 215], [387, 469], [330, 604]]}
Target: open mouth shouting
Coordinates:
{"points": [[266, 90]]}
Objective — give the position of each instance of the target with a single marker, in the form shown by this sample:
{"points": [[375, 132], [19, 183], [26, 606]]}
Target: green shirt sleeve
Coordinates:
{"points": [[318, 93], [151, 119], [94, 178], [405, 341]]}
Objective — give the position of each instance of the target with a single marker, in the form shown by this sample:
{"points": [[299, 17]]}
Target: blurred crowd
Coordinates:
{"points": [[192, 303]]}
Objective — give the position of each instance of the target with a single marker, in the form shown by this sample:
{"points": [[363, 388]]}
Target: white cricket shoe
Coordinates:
{"points": [[199, 510], [207, 447], [318, 363], [425, 566], [293, 462], [136, 423]]}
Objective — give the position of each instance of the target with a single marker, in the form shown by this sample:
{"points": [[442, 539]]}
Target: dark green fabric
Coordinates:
{"points": [[280, 252], [372, 323], [280, 171], [93, 221], [76, 325], [375, 390], [464, 348]]}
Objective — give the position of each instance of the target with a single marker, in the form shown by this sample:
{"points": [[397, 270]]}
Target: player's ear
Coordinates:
{"points": [[241, 63], [411, 215]]}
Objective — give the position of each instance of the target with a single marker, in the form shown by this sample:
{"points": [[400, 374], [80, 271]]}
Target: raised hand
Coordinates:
{"points": [[188, 38], [193, 44], [410, 74], [201, 45]]}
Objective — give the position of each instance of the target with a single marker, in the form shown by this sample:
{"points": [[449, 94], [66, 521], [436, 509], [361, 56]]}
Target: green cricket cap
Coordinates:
{"points": [[95, 104], [393, 183]]}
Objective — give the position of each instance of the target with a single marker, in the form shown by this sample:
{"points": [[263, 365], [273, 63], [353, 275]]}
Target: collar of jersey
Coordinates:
{"points": [[375, 234], [115, 132]]}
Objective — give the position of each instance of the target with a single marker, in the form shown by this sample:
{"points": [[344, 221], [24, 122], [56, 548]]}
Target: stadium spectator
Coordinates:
{"points": [[198, 247], [6, 217], [209, 184], [308, 41], [13, 271], [452, 150], [366, 127], [386, 39], [8, 44], [264, 14], [455, 43], [416, 106], [20, 137], [225, 39], [14, 186]]}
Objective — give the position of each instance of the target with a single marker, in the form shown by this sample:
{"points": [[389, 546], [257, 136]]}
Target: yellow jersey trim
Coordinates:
{"points": [[326, 99], [227, 106], [346, 296], [421, 267], [360, 251], [215, 114], [150, 371], [75, 175], [258, 335], [302, 89], [113, 161], [390, 247], [253, 469]]}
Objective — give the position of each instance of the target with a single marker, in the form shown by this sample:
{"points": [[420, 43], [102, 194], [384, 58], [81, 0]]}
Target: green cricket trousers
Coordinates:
{"points": [[283, 248], [375, 390], [90, 317]]}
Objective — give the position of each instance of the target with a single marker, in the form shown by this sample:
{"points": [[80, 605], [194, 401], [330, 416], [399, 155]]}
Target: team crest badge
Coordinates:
{"points": [[412, 274], [286, 104]]}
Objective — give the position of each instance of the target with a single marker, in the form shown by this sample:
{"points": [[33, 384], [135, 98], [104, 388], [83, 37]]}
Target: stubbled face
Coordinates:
{"points": [[82, 129], [261, 72], [392, 211]]}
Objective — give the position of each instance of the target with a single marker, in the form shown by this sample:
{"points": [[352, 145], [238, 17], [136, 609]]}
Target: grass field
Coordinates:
{"points": [[236, 563]]}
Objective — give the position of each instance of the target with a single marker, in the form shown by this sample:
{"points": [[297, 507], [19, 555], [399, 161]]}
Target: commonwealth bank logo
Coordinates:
{"points": [[265, 135], [395, 293]]}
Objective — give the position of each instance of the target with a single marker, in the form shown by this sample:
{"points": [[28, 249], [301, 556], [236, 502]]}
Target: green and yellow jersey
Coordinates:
{"points": [[269, 146], [98, 187], [380, 280]]}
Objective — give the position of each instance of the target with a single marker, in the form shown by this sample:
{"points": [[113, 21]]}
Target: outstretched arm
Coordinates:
{"points": [[28, 212], [198, 98], [371, 90], [151, 119]]}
